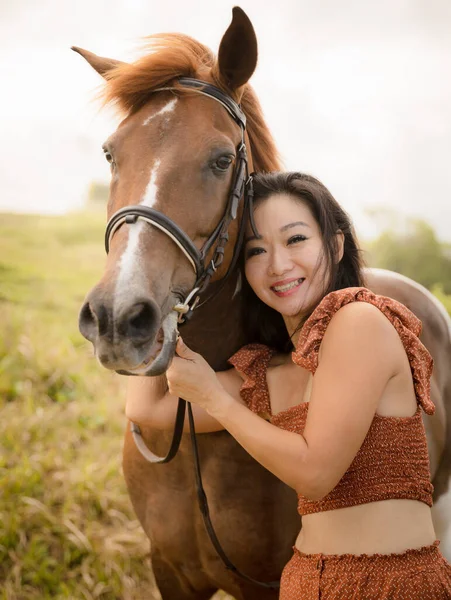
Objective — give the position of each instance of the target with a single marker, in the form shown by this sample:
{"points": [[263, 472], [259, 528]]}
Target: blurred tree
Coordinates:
{"points": [[439, 293], [414, 251]]}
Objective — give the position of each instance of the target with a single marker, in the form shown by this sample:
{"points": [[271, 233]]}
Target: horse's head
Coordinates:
{"points": [[174, 160]]}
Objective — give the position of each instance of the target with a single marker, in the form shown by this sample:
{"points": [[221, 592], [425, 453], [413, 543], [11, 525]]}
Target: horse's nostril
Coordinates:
{"points": [[87, 322], [94, 319], [86, 314], [139, 323], [140, 320]]}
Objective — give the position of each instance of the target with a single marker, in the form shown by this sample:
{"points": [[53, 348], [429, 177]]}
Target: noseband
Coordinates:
{"points": [[241, 188]]}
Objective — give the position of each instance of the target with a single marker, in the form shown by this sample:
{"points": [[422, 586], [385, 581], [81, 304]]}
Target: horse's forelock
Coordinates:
{"points": [[170, 55]]}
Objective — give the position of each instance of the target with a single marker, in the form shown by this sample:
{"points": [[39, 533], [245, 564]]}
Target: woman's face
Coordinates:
{"points": [[285, 265]]}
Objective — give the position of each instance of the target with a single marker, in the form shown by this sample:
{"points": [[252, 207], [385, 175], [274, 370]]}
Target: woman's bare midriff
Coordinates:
{"points": [[386, 527]]}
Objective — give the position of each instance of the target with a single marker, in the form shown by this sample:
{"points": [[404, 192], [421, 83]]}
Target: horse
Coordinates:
{"points": [[174, 153]]}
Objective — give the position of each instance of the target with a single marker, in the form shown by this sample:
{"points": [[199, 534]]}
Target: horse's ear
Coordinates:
{"points": [[99, 63], [237, 55]]}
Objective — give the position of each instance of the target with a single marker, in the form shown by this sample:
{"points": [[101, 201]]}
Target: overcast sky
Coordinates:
{"points": [[356, 92]]}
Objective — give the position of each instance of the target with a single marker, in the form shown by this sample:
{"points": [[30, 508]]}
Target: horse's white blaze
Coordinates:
{"points": [[130, 264], [130, 259], [150, 195], [169, 107]]}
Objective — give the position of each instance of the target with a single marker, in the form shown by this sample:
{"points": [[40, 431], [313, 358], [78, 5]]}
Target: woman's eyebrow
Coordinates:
{"points": [[285, 227]]}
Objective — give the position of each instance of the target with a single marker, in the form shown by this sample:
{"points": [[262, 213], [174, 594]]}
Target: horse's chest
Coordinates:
{"points": [[288, 385]]}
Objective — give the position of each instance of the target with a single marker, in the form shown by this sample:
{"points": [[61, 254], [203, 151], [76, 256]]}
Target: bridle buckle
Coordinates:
{"points": [[183, 308]]}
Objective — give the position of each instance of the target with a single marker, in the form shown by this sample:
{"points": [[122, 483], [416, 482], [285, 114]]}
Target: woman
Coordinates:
{"points": [[339, 418]]}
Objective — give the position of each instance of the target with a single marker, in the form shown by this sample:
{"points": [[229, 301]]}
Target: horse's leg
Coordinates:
{"points": [[173, 585]]}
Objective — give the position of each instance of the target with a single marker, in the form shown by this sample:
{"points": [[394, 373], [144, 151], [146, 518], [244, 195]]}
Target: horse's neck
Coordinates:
{"points": [[215, 330]]}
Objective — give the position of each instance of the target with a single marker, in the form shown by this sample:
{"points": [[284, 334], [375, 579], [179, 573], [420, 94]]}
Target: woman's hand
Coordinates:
{"points": [[190, 377]]}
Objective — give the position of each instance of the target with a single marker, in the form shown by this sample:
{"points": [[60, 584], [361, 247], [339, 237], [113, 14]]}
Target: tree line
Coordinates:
{"points": [[415, 251]]}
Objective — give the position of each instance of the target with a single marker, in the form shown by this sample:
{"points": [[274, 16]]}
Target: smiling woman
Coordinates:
{"points": [[339, 419]]}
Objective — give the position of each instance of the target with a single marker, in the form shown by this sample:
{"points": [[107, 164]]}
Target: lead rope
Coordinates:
{"points": [[204, 509]]}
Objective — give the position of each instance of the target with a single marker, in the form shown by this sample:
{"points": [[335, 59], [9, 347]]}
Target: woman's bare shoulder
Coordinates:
{"points": [[362, 325], [362, 317]]}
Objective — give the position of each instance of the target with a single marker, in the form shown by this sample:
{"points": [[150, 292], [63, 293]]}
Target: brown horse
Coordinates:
{"points": [[175, 151]]}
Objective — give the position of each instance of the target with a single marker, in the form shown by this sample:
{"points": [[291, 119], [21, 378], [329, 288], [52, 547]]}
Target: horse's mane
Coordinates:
{"points": [[129, 86]]}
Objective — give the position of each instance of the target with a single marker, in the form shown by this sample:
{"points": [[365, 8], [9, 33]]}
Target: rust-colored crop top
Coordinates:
{"points": [[393, 460]]}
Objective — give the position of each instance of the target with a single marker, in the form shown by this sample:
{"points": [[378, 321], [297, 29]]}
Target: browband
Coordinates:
{"points": [[212, 91]]}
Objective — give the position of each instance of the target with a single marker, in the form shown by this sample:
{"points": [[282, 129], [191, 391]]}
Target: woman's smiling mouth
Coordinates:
{"points": [[287, 287]]}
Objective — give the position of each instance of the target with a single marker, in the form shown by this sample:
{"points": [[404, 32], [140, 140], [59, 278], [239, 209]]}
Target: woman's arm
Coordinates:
{"points": [[150, 403], [361, 351]]}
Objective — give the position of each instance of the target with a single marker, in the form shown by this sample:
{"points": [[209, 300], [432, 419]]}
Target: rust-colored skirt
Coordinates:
{"points": [[420, 574]]}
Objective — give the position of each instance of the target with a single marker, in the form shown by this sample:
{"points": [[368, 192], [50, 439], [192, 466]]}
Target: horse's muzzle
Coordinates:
{"points": [[123, 337]]}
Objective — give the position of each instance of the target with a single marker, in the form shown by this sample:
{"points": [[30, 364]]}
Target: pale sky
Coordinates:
{"points": [[356, 92]]}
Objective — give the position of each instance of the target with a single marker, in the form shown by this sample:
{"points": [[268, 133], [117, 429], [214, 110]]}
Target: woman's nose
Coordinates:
{"points": [[280, 262]]}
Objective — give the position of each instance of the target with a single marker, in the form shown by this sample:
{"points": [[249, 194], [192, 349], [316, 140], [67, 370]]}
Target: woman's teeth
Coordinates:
{"points": [[288, 286]]}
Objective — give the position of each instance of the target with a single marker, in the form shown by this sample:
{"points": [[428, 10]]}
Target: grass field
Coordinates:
{"points": [[66, 525]]}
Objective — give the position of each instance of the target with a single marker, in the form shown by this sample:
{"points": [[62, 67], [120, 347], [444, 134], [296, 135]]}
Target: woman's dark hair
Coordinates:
{"points": [[262, 323]]}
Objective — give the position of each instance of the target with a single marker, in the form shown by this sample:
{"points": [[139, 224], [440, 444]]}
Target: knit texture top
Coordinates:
{"points": [[393, 460]]}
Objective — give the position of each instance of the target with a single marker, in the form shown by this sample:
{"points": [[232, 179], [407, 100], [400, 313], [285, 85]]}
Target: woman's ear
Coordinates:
{"points": [[340, 245]]}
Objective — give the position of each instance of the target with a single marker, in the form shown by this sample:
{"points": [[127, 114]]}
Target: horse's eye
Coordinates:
{"points": [[109, 157], [223, 163]]}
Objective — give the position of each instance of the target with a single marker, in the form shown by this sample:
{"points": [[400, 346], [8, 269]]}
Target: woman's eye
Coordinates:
{"points": [[297, 238], [223, 163], [253, 252]]}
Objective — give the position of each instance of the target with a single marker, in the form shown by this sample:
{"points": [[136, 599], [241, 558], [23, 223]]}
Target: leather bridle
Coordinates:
{"points": [[241, 189]]}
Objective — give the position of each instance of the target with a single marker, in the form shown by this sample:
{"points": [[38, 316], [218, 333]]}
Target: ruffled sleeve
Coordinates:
{"points": [[252, 361], [403, 320]]}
